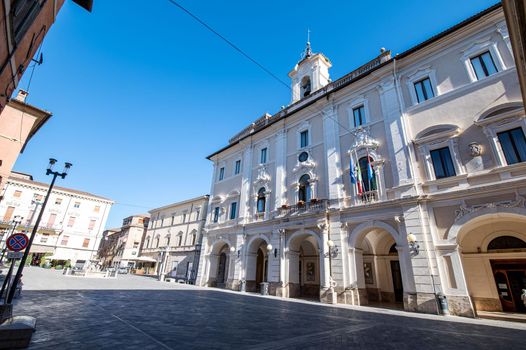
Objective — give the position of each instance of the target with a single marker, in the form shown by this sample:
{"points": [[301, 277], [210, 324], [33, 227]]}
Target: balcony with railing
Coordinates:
{"points": [[311, 207]]}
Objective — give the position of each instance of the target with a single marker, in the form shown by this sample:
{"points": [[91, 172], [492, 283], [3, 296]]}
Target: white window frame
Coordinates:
{"points": [[304, 127], [240, 166], [418, 75], [355, 104], [496, 124], [219, 177], [477, 49], [443, 139]]}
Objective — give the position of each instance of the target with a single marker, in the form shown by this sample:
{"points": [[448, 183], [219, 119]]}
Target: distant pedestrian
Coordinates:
{"points": [[523, 297]]}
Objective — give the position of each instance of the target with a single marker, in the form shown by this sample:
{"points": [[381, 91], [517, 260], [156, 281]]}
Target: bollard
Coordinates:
{"points": [[442, 304], [243, 286], [263, 288]]}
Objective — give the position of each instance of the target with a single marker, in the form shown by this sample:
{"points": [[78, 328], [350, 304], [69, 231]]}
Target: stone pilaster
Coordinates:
{"points": [[397, 145], [331, 141]]}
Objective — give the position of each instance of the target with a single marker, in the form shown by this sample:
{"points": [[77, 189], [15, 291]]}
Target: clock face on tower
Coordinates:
{"points": [[303, 156]]}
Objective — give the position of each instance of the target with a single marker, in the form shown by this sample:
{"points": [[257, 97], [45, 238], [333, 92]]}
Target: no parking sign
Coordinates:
{"points": [[16, 242]]}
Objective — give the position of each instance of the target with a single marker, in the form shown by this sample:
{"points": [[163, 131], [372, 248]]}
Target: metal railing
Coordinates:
{"points": [[313, 206]]}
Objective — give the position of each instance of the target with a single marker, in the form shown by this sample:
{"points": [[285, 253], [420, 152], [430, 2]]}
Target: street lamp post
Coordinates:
{"points": [[55, 174]]}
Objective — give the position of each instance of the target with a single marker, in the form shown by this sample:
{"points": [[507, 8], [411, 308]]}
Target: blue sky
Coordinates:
{"points": [[140, 94]]}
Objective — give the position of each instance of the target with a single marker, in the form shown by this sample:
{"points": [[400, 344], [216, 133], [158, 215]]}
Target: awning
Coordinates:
{"points": [[41, 249], [144, 259]]}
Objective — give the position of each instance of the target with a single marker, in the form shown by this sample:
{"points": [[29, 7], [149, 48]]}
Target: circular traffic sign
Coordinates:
{"points": [[16, 242]]}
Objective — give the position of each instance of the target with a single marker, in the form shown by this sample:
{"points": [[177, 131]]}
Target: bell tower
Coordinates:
{"points": [[309, 74]]}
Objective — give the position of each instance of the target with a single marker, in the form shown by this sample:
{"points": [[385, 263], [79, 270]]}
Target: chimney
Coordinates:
{"points": [[21, 96]]}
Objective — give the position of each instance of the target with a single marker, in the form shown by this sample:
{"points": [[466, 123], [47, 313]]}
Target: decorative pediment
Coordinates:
{"points": [[233, 194], [363, 139], [263, 178], [304, 167]]}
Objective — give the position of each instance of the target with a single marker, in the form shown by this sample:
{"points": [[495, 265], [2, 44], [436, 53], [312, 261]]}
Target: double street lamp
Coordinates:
{"points": [[55, 174]]}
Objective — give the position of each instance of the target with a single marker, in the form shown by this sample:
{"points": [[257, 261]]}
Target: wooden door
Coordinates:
{"points": [[397, 281]]}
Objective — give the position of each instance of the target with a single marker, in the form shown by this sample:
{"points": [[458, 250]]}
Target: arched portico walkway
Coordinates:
{"points": [[256, 262], [382, 270], [305, 265]]}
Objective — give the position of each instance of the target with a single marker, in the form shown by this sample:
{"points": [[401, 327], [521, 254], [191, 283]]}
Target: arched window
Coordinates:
{"points": [[194, 236], [180, 239], [157, 239], [147, 242], [304, 191], [368, 175], [261, 200], [305, 86], [506, 242], [167, 240]]}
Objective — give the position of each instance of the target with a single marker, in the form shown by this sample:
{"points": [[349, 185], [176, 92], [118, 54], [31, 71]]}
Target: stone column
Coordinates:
{"points": [[422, 263], [331, 142], [274, 263]]}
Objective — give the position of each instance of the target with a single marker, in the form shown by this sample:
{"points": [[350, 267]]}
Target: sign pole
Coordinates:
{"points": [[6, 281], [11, 293]]}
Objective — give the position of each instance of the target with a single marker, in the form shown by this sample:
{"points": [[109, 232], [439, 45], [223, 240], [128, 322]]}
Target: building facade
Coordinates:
{"points": [[120, 247], [173, 239], [72, 223], [19, 121], [24, 25], [403, 180]]}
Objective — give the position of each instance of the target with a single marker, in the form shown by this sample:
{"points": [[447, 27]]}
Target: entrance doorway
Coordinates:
{"points": [[257, 263], [304, 267], [510, 280], [221, 270], [397, 281]]}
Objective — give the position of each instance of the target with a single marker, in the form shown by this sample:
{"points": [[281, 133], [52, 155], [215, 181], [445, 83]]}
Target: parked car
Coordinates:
{"points": [[123, 270]]}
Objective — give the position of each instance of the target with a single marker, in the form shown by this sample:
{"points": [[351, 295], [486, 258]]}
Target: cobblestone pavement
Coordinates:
{"points": [[183, 317]]}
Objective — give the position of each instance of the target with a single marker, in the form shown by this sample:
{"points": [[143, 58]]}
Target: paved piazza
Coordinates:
{"points": [[133, 312]]}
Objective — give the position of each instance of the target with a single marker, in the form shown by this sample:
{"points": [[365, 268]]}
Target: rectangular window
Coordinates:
{"points": [[197, 215], [96, 209], [216, 214], [233, 210], [9, 213], [180, 240], [24, 13], [85, 243], [71, 221], [51, 220], [76, 205], [91, 225], [304, 138], [358, 116], [58, 201], [65, 239], [17, 194], [30, 217], [442, 163], [424, 90], [513, 145], [221, 174], [263, 158], [44, 238], [237, 168], [135, 244], [173, 219], [38, 197], [483, 65], [184, 218]]}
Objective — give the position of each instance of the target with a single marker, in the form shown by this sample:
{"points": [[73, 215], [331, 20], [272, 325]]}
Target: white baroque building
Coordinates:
{"points": [[400, 181], [172, 242], [72, 223]]}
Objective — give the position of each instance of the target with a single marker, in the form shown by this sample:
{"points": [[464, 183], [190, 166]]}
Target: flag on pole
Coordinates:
{"points": [[353, 175], [359, 178]]}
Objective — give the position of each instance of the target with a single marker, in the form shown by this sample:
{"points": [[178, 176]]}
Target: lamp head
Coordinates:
{"points": [[269, 247], [330, 243], [52, 162], [411, 238], [232, 249], [67, 166]]}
